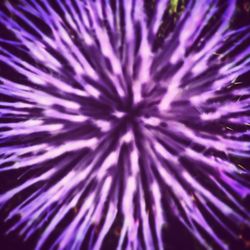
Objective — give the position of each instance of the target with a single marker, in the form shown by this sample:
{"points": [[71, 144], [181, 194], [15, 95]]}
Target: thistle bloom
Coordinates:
{"points": [[103, 123]]}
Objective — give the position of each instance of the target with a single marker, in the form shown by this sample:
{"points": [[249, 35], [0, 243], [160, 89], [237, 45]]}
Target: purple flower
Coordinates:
{"points": [[104, 123]]}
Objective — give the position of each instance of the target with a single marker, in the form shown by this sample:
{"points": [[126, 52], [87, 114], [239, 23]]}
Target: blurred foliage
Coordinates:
{"points": [[176, 5]]}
